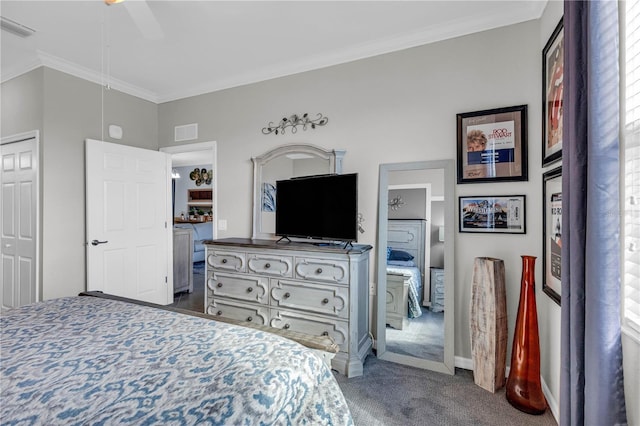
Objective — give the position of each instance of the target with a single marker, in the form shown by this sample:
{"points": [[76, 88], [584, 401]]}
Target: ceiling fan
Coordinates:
{"points": [[143, 17]]}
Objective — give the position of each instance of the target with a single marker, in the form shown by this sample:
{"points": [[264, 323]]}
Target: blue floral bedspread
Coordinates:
{"points": [[84, 360], [415, 288]]}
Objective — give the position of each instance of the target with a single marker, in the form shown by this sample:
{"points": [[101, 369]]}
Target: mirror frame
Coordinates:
{"points": [[447, 365], [335, 166]]}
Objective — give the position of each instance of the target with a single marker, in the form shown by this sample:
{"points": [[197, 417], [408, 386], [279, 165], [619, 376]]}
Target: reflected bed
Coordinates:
{"points": [[88, 360]]}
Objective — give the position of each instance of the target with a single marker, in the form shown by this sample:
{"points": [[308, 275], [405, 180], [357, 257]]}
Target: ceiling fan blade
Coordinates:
{"points": [[144, 18]]}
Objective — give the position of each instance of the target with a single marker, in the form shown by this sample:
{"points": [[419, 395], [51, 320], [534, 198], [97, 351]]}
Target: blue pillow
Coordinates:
{"points": [[399, 255], [404, 263], [388, 252]]}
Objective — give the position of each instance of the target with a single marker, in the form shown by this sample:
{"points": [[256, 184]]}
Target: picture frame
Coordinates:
{"points": [[552, 233], [492, 145], [552, 91], [497, 214]]}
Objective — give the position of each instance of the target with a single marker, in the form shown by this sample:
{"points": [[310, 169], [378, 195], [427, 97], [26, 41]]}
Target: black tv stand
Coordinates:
{"points": [[284, 238]]}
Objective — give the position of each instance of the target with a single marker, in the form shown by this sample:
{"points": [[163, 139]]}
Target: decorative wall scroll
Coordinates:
{"points": [[293, 122]]}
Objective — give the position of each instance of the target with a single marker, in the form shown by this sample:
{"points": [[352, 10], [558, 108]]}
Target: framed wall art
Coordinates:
{"points": [[493, 214], [552, 91], [492, 145], [552, 233]]}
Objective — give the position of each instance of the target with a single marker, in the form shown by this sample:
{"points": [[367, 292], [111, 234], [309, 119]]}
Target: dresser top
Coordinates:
{"points": [[290, 245]]}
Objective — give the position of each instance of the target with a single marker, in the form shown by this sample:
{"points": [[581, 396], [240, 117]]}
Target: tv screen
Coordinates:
{"points": [[321, 207]]}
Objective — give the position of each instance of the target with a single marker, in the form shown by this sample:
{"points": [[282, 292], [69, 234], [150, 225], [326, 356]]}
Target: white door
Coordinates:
{"points": [[128, 238], [19, 221]]}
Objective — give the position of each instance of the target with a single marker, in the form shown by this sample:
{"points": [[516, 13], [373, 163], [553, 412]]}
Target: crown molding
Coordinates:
{"points": [[95, 77], [443, 31], [440, 32], [20, 68]]}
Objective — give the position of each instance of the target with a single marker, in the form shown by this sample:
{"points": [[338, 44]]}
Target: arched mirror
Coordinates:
{"points": [[281, 163], [415, 269]]}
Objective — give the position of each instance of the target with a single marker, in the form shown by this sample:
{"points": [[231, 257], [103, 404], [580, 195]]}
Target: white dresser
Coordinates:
{"points": [[317, 290]]}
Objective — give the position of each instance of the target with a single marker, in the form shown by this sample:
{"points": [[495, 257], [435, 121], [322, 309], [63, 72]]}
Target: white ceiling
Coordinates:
{"points": [[213, 45]]}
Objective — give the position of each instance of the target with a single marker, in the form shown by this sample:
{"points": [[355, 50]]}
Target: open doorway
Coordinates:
{"points": [[194, 218]]}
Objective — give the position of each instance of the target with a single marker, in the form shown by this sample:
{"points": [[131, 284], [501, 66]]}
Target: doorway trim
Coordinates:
{"points": [[200, 146], [19, 137]]}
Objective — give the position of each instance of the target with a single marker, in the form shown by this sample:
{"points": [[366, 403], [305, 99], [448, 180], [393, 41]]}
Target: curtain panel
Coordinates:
{"points": [[591, 384]]}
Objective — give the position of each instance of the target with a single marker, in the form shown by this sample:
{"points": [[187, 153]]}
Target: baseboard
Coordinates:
{"points": [[467, 364], [553, 404]]}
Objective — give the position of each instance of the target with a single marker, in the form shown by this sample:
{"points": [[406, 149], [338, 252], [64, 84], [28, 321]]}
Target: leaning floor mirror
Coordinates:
{"points": [[415, 267]]}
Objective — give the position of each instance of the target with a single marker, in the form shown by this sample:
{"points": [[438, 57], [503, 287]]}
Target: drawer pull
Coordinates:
{"points": [[224, 260], [319, 271], [267, 265], [325, 333], [249, 290], [286, 326], [219, 284], [219, 313], [250, 319], [325, 301], [287, 295]]}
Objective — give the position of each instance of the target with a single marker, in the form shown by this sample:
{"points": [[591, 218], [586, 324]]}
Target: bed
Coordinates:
{"points": [[94, 360], [405, 271]]}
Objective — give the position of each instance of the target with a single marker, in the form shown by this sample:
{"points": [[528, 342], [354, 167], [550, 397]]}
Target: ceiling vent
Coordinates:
{"points": [[15, 28], [187, 132]]}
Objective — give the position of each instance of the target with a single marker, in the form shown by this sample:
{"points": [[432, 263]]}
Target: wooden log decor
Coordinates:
{"points": [[488, 323]]}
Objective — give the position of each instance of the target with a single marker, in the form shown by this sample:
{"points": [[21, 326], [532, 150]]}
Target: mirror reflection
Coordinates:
{"points": [[281, 163], [416, 208], [415, 264]]}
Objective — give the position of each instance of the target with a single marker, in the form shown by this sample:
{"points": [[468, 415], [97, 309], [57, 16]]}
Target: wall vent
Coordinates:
{"points": [[187, 132], [15, 27]]}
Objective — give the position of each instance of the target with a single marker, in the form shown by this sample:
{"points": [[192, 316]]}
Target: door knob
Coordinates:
{"points": [[96, 242]]}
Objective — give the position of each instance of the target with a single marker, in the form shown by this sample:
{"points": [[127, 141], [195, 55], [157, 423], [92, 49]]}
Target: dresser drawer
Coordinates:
{"points": [[308, 324], [251, 288], [226, 260], [239, 311], [438, 289], [331, 271], [319, 298], [280, 266]]}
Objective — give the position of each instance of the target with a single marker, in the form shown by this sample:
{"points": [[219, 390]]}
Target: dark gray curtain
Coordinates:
{"points": [[591, 384]]}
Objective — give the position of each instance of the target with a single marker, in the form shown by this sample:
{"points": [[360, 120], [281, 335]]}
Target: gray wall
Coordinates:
{"points": [[396, 107], [71, 110]]}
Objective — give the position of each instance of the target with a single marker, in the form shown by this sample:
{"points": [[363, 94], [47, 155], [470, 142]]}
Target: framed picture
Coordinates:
{"points": [[492, 145], [552, 87], [552, 234], [493, 214]]}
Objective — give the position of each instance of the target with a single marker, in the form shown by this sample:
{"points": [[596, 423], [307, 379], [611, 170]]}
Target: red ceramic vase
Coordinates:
{"points": [[524, 390]]}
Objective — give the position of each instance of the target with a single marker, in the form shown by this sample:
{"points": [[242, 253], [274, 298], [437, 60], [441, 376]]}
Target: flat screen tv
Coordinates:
{"points": [[318, 207]]}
